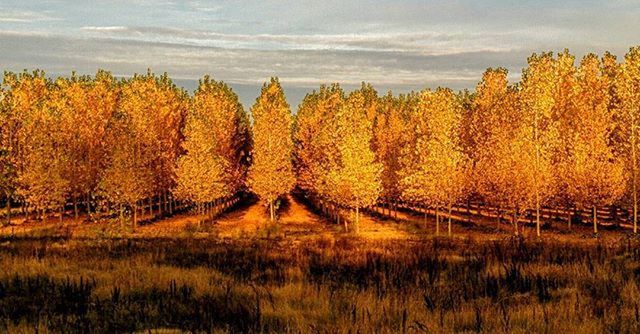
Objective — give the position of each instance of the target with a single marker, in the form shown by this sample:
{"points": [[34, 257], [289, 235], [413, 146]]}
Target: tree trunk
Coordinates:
{"points": [[271, 211], [75, 207], [634, 172], [537, 218], [61, 213], [449, 223], [395, 209], [135, 216], [121, 216], [515, 221], [425, 217], [346, 225], [469, 211], [150, 203], [437, 221], [8, 209], [595, 220], [569, 219], [357, 219]]}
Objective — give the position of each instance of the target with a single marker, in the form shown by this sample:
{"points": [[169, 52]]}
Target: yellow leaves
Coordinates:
{"points": [[271, 173], [354, 180], [434, 166], [314, 131], [592, 174], [214, 133]]}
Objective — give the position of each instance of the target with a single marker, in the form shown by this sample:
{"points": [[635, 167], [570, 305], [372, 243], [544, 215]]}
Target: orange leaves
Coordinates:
{"points": [[215, 133], [271, 172], [354, 179], [433, 170]]}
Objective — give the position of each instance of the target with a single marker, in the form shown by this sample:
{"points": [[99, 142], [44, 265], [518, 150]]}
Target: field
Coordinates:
{"points": [[305, 274]]}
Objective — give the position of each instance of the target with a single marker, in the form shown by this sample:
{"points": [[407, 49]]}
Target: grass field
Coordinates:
{"points": [[304, 274]]}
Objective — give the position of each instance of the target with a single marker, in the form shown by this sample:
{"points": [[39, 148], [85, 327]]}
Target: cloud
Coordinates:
{"points": [[428, 43], [21, 16], [299, 70]]}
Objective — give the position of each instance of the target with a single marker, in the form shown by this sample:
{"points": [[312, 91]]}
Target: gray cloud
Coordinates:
{"points": [[400, 45], [24, 16], [429, 43], [302, 69]]}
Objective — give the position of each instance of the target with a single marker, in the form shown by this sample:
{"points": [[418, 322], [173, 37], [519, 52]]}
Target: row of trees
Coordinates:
{"points": [[118, 144], [564, 136]]}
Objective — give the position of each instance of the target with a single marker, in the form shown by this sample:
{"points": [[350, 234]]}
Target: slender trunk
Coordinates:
{"points": [[634, 171], [75, 207], [165, 203], [437, 221], [395, 209], [121, 216], [425, 216], [536, 174], [150, 203], [346, 225], [569, 218], [468, 211], [595, 220], [357, 219], [537, 216], [135, 216], [61, 213], [271, 211], [515, 221], [449, 223], [8, 209]]}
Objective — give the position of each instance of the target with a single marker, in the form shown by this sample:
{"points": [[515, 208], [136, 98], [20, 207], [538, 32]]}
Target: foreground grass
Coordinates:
{"points": [[323, 285]]}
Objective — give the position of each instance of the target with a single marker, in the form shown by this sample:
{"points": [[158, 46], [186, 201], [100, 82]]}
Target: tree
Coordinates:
{"points": [[215, 142], [595, 176], [33, 141], [85, 106], [481, 121], [627, 86], [504, 158], [271, 172], [564, 114], [147, 131], [537, 95], [126, 179], [354, 182], [315, 151], [436, 175], [391, 123]]}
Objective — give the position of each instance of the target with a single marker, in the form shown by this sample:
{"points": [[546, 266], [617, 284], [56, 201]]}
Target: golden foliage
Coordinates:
{"points": [[271, 172]]}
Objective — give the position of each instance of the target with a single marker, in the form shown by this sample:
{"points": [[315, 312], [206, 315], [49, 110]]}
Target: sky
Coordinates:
{"points": [[397, 45]]}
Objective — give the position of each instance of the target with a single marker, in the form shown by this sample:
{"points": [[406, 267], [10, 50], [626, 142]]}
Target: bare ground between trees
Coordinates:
{"points": [[297, 221]]}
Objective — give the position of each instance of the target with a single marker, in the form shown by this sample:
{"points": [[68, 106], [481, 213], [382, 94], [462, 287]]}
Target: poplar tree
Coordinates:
{"points": [[215, 142], [627, 87], [595, 175], [537, 95], [271, 172], [391, 123], [354, 182], [314, 130], [565, 116], [503, 161], [86, 106], [436, 175]]}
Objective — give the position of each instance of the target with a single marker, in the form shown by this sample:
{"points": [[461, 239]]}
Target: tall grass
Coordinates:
{"points": [[436, 285]]}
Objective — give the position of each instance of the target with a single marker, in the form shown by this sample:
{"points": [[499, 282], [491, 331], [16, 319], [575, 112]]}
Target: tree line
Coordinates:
{"points": [[563, 136]]}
